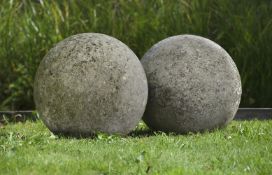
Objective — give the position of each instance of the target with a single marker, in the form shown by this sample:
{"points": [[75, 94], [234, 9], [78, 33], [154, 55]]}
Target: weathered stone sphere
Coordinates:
{"points": [[90, 83], [194, 85]]}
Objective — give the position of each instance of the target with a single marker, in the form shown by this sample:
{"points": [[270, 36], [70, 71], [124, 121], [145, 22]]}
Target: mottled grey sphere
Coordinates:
{"points": [[194, 85], [90, 83]]}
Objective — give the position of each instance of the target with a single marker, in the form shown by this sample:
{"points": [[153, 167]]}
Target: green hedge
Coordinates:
{"points": [[28, 29]]}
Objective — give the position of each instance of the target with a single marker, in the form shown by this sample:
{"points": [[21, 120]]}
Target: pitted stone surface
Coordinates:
{"points": [[194, 85], [90, 83]]}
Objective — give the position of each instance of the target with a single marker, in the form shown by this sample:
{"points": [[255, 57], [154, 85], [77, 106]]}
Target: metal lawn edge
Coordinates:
{"points": [[242, 114], [253, 113]]}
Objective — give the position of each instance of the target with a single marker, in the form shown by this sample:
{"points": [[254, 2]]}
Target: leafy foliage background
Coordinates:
{"points": [[28, 29]]}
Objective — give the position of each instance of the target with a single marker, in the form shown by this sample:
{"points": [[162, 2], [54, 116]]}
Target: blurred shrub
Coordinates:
{"points": [[28, 29]]}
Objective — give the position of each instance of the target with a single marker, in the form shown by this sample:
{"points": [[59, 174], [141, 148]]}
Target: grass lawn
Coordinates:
{"points": [[244, 147]]}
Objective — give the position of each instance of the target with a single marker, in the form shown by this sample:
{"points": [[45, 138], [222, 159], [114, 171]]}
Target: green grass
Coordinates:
{"points": [[241, 148], [29, 29]]}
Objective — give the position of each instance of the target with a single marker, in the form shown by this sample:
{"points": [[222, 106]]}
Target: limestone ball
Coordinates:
{"points": [[90, 83], [194, 85]]}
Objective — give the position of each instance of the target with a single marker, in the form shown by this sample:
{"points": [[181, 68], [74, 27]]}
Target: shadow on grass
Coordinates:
{"points": [[135, 134], [139, 133]]}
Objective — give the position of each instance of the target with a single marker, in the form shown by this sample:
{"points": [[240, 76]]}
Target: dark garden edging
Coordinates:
{"points": [[242, 114], [17, 116], [254, 113]]}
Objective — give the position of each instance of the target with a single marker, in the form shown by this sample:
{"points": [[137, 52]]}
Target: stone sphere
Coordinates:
{"points": [[194, 85], [90, 83]]}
